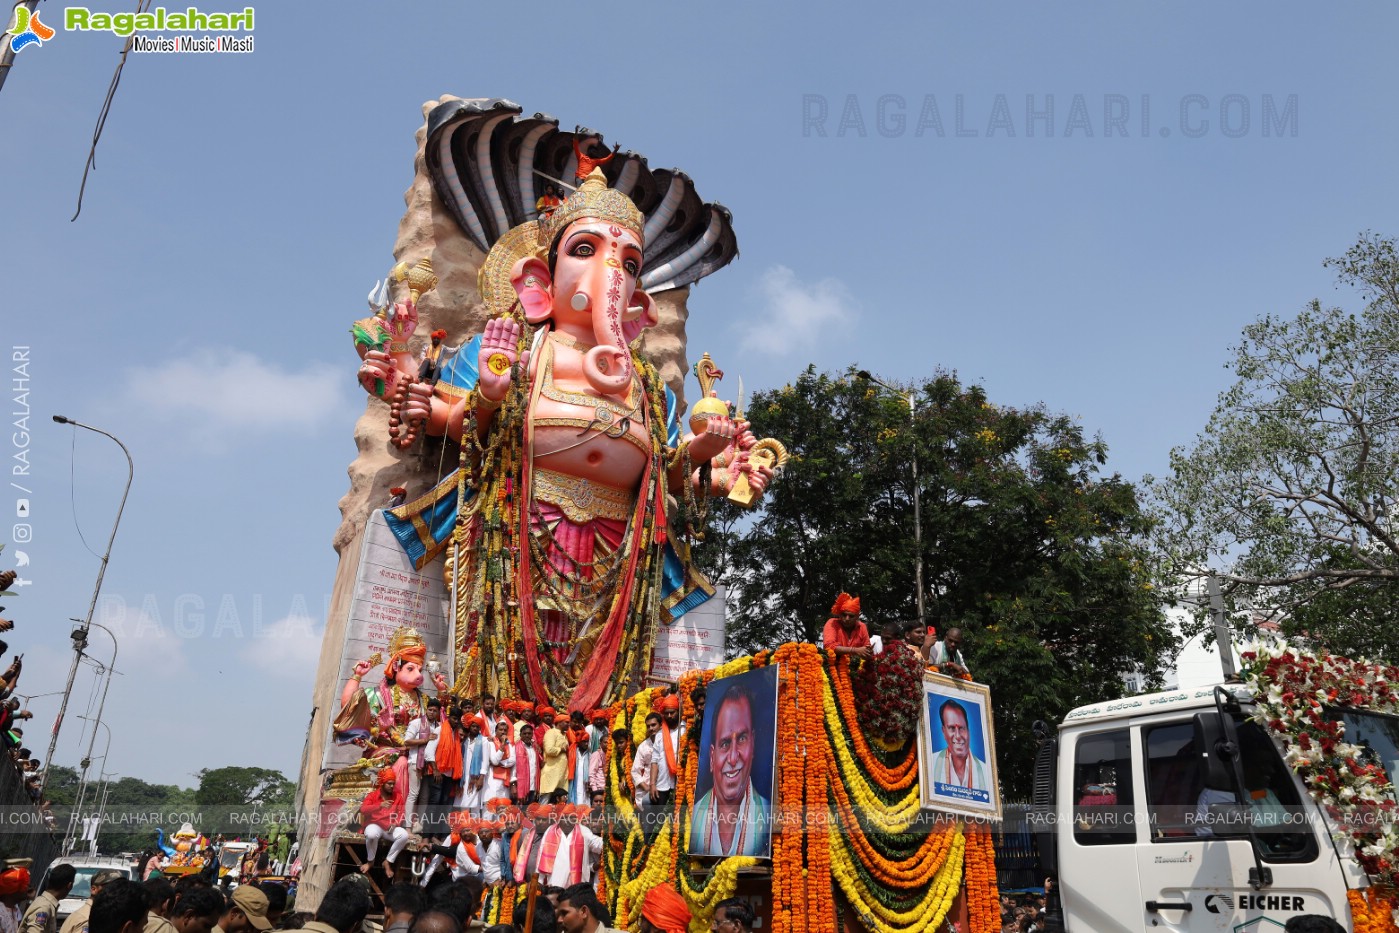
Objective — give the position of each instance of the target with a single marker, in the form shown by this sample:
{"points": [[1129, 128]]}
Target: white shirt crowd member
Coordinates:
{"points": [[664, 779], [641, 772]]}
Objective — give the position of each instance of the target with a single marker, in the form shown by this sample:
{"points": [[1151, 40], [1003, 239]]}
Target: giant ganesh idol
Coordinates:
{"points": [[567, 523]]}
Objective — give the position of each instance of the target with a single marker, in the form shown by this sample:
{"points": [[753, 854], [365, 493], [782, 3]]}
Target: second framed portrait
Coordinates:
{"points": [[957, 748]]}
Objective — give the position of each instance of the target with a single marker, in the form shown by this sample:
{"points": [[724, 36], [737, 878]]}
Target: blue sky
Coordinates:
{"points": [[243, 205]]}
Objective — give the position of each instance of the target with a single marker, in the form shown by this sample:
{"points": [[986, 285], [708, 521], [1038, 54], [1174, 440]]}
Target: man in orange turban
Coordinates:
{"points": [[14, 886], [382, 815], [844, 632], [664, 911], [664, 763]]}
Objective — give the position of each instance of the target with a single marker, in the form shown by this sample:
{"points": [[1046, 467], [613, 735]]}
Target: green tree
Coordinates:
{"points": [[1289, 495], [244, 801], [1027, 544], [131, 811], [243, 787]]}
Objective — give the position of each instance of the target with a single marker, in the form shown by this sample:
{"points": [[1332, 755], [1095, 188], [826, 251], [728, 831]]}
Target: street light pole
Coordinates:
{"points": [[80, 635], [82, 785], [106, 780], [101, 705], [911, 400]]}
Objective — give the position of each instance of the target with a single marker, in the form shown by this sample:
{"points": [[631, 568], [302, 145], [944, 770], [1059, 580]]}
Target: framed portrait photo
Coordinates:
{"points": [[737, 767], [957, 748]]}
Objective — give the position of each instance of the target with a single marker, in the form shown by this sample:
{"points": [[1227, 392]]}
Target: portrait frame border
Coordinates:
{"points": [[967, 689], [708, 861]]}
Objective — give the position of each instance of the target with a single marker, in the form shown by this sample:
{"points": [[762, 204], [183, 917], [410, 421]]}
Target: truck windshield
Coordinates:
{"points": [[1377, 734], [1182, 805]]}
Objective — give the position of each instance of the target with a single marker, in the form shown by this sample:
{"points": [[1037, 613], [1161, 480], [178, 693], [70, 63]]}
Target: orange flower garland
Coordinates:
{"points": [[897, 778], [1372, 910], [840, 818], [983, 891]]}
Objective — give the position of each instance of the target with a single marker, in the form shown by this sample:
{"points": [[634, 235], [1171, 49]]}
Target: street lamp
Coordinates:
{"points": [[79, 636], [106, 780], [917, 509], [70, 838], [88, 759], [108, 670]]}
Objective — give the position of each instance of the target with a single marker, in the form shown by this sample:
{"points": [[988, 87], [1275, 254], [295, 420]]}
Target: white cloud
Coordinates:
{"points": [[211, 392], [798, 315], [147, 647], [288, 648]]}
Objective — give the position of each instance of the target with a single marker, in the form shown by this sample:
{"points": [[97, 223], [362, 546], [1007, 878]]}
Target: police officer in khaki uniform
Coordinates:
{"points": [[77, 920], [42, 915]]}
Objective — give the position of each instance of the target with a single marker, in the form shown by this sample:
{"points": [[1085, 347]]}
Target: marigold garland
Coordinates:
{"points": [[1373, 910], [983, 891]]}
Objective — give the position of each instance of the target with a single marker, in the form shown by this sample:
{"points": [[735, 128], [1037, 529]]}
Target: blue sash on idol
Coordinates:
{"points": [[424, 526]]}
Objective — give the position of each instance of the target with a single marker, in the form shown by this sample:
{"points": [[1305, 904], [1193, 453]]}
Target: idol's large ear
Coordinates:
{"points": [[640, 314], [530, 276]]}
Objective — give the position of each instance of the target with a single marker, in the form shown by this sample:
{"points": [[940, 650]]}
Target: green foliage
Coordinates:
{"points": [[1026, 543], [133, 808], [1290, 491], [243, 787]]}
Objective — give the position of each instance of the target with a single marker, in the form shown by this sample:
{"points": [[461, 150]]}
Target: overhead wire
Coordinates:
{"points": [[141, 7], [73, 493]]}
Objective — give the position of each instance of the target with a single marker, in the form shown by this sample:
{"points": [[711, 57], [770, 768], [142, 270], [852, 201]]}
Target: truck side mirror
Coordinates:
{"points": [[1216, 751]]}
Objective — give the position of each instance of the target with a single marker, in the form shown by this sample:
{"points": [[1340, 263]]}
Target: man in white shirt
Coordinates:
{"points": [[664, 762], [491, 846], [641, 762], [569, 850], [946, 655], [476, 764], [502, 764], [420, 738], [526, 766]]}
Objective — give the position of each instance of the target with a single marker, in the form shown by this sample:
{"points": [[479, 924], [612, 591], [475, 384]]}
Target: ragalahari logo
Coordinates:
{"points": [[26, 30]]}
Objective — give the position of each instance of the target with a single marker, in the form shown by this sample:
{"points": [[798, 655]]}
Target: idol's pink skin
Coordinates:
{"points": [[408, 677], [389, 368], [592, 297]]}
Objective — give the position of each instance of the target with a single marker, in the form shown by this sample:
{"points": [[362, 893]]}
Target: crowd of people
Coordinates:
{"points": [[20, 764], [526, 802], [192, 904]]}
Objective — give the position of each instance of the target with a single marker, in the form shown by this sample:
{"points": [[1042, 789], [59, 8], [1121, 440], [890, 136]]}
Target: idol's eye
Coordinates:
{"points": [[583, 250], [632, 266]]}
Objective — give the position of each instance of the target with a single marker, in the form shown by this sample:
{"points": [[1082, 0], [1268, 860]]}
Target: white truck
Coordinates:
{"points": [[1174, 812]]}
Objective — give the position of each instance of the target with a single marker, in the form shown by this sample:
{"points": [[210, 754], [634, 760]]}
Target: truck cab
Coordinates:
{"points": [[1176, 812]]}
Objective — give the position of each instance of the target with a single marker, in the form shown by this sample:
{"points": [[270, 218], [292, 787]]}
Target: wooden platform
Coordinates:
{"points": [[350, 855]]}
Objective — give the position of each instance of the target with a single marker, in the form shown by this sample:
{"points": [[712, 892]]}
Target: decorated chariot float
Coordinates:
{"points": [[521, 523]]}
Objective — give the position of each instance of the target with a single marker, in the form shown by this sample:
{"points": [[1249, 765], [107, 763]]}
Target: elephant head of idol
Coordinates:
{"points": [[584, 278]]}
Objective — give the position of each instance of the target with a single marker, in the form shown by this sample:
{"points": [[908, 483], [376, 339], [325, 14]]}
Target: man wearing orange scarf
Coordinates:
{"points": [[382, 812], [569, 850], [525, 847], [553, 777], [844, 632], [664, 911], [665, 761], [527, 766]]}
